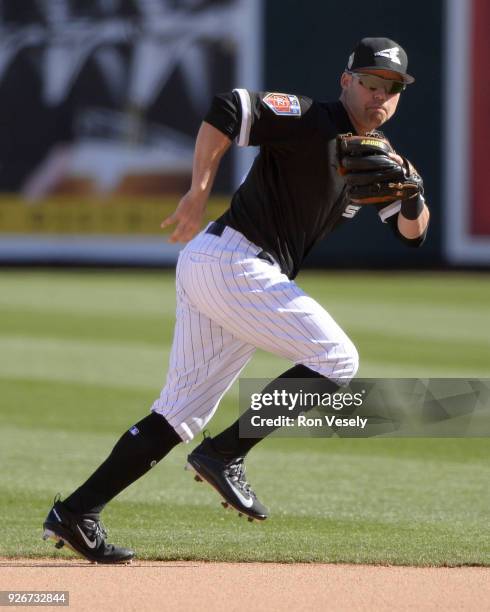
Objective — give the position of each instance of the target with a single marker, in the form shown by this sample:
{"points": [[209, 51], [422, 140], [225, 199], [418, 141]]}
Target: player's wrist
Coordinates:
{"points": [[412, 208], [199, 193]]}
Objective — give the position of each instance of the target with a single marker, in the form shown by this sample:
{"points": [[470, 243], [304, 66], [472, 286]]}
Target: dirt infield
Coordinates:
{"points": [[186, 586]]}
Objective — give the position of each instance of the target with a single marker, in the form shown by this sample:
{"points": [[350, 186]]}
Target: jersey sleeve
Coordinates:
{"points": [[256, 118], [225, 114]]}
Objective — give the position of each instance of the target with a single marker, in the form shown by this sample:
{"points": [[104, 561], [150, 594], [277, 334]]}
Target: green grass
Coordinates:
{"points": [[83, 355]]}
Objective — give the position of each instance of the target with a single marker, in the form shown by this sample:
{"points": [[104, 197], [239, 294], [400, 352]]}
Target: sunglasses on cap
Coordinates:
{"points": [[371, 82]]}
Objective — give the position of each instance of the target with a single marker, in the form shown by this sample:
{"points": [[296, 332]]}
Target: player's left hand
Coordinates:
{"points": [[374, 172]]}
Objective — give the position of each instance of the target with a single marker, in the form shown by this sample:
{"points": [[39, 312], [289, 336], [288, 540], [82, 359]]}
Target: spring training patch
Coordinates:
{"points": [[283, 104]]}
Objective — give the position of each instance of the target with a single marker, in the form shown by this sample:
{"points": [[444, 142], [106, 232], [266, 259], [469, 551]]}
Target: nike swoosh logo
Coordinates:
{"points": [[247, 502], [89, 543]]}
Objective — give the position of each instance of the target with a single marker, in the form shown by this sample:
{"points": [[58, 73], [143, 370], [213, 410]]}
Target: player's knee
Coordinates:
{"points": [[353, 360], [345, 363], [339, 363]]}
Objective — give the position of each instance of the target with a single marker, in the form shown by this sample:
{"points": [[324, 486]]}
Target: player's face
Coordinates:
{"points": [[369, 106]]}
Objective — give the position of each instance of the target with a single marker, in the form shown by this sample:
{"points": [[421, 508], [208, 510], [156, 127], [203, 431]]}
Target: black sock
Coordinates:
{"points": [[229, 442], [138, 450]]}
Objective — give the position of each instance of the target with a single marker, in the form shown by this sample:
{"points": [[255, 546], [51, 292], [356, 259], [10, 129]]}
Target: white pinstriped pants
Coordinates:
{"points": [[229, 302]]}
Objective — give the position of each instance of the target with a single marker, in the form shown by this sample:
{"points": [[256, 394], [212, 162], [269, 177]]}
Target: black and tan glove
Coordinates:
{"points": [[374, 172]]}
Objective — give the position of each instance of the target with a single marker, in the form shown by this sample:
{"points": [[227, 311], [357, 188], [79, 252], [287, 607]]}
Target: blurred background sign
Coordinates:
{"points": [[100, 102], [106, 96]]}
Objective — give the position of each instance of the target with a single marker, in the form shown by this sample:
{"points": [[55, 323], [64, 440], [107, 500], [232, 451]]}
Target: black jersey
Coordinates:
{"points": [[293, 195]]}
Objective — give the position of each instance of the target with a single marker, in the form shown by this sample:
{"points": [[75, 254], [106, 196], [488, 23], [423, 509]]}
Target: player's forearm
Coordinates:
{"points": [[211, 145], [413, 228]]}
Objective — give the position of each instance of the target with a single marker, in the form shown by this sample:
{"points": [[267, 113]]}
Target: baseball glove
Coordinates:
{"points": [[374, 172]]}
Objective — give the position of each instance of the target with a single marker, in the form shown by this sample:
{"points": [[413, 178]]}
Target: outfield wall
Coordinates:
{"points": [[467, 218], [99, 152]]}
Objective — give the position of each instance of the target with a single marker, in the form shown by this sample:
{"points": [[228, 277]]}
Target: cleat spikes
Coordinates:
{"points": [[250, 519], [59, 544], [240, 514], [197, 478], [224, 504]]}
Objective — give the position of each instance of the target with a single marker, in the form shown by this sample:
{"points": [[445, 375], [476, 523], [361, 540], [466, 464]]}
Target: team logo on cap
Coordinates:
{"points": [[392, 54], [283, 104]]}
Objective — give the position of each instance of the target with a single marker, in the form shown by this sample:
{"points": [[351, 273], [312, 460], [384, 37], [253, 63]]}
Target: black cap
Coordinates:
{"points": [[380, 54]]}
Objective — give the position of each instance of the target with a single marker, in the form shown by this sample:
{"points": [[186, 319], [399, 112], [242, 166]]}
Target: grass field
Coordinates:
{"points": [[83, 355]]}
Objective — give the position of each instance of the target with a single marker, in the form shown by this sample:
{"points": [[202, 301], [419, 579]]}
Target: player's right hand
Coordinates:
{"points": [[188, 215]]}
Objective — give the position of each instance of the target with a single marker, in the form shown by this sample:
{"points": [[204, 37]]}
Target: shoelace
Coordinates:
{"points": [[236, 472], [96, 529]]}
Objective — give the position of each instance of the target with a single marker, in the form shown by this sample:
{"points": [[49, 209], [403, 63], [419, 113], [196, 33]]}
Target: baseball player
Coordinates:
{"points": [[235, 279]]}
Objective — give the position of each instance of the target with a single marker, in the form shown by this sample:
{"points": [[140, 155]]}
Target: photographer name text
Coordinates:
{"points": [[304, 421]]}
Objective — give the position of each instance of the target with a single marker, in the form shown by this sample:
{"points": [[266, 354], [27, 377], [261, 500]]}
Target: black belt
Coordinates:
{"points": [[216, 229]]}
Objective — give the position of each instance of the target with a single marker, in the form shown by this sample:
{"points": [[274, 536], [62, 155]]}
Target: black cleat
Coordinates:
{"points": [[227, 476], [84, 534]]}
